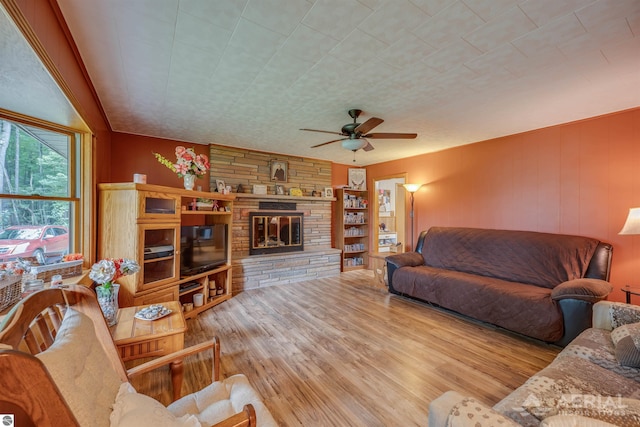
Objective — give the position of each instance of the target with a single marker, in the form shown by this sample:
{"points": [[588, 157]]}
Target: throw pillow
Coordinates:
{"points": [[626, 339], [132, 409], [622, 314]]}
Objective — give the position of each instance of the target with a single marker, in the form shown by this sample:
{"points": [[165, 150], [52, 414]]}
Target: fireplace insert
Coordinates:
{"points": [[275, 232]]}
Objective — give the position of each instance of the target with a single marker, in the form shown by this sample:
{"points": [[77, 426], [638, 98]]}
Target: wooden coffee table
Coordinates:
{"points": [[137, 339]]}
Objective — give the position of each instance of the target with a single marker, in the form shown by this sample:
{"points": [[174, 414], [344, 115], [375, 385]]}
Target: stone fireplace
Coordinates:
{"points": [[313, 258]]}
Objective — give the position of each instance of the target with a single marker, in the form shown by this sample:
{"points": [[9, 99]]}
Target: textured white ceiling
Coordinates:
{"points": [[250, 73]]}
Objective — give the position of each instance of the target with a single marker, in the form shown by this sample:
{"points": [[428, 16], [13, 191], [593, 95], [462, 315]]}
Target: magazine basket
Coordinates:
{"points": [[10, 290]]}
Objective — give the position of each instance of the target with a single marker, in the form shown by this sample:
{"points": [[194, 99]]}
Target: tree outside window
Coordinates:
{"points": [[37, 200]]}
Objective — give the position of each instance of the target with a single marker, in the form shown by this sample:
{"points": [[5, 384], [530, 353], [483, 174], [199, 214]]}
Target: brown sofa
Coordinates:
{"points": [[538, 284]]}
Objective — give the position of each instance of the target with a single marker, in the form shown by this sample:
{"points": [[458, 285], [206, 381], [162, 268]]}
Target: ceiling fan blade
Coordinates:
{"points": [[391, 135], [367, 147], [328, 142], [323, 131], [368, 125]]}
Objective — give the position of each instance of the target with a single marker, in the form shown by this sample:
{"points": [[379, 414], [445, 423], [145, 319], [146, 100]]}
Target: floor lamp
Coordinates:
{"points": [[632, 224], [412, 188]]}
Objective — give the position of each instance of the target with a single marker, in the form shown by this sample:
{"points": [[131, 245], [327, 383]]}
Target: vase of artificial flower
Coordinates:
{"points": [[104, 273], [188, 165], [189, 181], [108, 301]]}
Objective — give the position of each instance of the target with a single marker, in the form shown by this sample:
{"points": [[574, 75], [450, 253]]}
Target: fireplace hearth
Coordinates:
{"points": [[275, 232]]}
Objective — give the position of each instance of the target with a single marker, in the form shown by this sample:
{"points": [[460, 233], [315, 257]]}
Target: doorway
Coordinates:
{"points": [[389, 214]]}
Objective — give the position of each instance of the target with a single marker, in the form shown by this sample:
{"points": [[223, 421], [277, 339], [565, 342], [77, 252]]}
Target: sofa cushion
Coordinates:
{"points": [[541, 259], [81, 369], [518, 307], [574, 421], [222, 399], [626, 339], [596, 346], [132, 409]]}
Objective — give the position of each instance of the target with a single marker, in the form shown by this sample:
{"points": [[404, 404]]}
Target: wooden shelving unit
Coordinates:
{"points": [[352, 227], [136, 217]]}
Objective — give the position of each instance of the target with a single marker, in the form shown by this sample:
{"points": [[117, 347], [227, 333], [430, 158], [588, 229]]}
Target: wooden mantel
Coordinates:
{"points": [[283, 197]]}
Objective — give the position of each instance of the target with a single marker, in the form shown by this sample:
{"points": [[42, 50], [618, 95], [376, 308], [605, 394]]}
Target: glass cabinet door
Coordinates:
{"points": [[159, 259]]}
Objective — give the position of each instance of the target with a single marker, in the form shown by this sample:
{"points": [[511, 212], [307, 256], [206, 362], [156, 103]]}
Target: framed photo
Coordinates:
{"points": [[358, 178], [259, 189], [278, 171], [328, 192], [279, 189], [220, 186]]}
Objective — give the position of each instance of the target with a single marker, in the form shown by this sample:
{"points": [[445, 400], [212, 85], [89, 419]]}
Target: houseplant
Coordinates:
{"points": [[188, 165], [105, 272]]}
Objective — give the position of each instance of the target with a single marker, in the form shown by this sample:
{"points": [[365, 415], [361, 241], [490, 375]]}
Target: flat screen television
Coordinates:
{"points": [[202, 248]]}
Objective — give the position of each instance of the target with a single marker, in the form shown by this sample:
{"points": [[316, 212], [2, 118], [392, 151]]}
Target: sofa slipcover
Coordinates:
{"points": [[538, 284]]}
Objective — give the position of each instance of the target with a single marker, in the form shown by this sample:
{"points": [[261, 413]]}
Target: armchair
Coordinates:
{"points": [[59, 366]]}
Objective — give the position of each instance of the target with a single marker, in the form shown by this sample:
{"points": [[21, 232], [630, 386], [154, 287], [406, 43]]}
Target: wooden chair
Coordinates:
{"points": [[30, 328]]}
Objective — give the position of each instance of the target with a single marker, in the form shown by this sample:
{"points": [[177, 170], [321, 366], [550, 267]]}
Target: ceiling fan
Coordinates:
{"points": [[355, 134]]}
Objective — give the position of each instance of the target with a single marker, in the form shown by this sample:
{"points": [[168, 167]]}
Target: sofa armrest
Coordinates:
{"points": [[590, 290], [406, 259], [609, 315], [467, 411]]}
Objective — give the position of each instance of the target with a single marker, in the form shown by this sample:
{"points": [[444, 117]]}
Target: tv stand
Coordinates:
{"points": [[136, 219]]}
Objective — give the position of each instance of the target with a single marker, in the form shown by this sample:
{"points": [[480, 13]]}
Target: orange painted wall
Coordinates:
{"points": [[578, 178], [339, 174], [134, 154]]}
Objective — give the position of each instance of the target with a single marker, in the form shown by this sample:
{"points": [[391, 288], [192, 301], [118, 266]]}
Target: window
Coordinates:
{"points": [[39, 191]]}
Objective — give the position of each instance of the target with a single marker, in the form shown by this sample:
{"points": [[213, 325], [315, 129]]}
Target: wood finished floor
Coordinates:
{"points": [[337, 352]]}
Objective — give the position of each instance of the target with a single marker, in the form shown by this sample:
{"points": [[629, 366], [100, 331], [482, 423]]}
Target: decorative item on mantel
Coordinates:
{"points": [[105, 272], [188, 166]]}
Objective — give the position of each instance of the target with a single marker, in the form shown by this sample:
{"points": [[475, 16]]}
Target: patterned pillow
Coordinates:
{"points": [[626, 339], [622, 314]]}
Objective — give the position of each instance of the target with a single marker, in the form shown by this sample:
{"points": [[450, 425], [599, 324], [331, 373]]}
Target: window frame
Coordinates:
{"points": [[80, 196]]}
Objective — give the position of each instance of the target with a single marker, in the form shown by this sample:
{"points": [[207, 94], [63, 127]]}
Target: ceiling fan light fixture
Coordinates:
{"points": [[353, 144], [355, 133]]}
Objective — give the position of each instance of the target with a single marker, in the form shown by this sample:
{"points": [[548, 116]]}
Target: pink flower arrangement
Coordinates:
{"points": [[187, 162]]}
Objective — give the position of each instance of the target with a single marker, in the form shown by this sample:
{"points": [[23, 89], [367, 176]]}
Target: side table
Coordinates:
{"points": [[137, 339], [630, 290], [379, 267]]}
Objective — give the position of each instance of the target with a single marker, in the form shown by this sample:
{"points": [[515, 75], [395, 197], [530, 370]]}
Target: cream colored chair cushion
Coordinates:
{"points": [[80, 368], [222, 399], [132, 409]]}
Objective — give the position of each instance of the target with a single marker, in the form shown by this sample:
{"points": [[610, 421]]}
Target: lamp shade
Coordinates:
{"points": [[412, 188], [632, 225]]}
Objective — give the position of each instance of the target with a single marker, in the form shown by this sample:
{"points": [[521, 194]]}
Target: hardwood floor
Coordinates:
{"points": [[337, 352]]}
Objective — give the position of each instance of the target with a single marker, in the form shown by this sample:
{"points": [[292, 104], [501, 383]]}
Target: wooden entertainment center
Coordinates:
{"points": [[142, 222]]}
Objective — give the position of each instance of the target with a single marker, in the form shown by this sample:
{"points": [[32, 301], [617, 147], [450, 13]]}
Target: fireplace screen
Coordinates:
{"points": [[274, 232]]}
